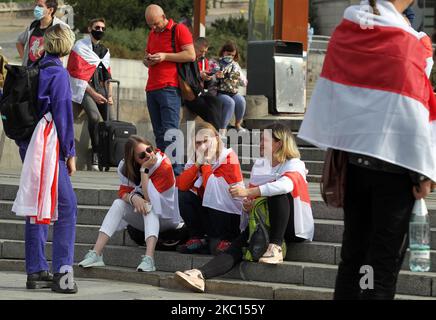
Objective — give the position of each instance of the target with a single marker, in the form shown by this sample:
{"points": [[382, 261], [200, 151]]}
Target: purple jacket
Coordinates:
{"points": [[54, 95]]}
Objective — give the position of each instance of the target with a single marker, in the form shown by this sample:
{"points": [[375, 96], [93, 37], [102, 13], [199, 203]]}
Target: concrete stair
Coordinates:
{"points": [[308, 273]]}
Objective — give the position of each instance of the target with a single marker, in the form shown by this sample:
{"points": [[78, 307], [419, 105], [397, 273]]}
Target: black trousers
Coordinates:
{"points": [[206, 222], [377, 211], [282, 226], [209, 108]]}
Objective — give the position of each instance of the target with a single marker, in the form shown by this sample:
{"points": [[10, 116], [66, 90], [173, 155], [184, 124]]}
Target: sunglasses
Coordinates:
{"points": [[98, 28], [143, 154]]}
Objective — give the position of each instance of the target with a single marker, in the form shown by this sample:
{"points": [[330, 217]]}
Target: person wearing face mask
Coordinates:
{"points": [[89, 68], [30, 43], [206, 205], [147, 201], [228, 79]]}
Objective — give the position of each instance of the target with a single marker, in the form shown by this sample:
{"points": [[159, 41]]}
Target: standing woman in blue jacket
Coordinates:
{"points": [[54, 96]]}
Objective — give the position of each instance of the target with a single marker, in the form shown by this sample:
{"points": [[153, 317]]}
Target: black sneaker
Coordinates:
{"points": [[61, 285], [39, 280]]}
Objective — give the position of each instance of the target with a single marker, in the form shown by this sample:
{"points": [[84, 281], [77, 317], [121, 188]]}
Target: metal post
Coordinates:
{"points": [[199, 18]]}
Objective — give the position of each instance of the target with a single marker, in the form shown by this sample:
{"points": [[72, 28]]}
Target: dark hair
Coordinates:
{"points": [[131, 167], [202, 41], [373, 4], [95, 20], [52, 4], [230, 46]]}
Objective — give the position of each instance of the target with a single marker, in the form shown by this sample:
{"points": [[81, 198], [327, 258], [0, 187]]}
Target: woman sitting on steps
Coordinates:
{"points": [[281, 177], [148, 201]]}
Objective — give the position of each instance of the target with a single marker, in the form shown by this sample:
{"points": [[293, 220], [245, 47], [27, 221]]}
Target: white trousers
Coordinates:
{"points": [[121, 214]]}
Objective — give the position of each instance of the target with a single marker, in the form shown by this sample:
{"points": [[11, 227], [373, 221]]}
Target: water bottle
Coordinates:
{"points": [[419, 238]]}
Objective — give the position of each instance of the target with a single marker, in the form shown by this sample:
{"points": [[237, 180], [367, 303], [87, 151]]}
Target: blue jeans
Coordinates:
{"points": [[164, 108], [232, 104]]}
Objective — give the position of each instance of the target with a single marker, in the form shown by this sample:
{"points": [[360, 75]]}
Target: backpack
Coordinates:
{"points": [[19, 104], [190, 82], [259, 227]]}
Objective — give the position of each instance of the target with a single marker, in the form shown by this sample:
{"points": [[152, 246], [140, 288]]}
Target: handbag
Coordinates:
{"points": [[334, 177]]}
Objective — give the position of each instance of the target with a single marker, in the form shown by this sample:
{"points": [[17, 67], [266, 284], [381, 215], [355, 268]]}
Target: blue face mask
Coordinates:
{"points": [[38, 13]]}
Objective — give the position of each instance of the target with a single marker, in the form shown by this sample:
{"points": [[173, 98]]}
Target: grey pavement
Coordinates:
{"points": [[12, 287]]}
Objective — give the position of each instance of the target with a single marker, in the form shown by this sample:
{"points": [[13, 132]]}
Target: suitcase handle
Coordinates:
{"points": [[118, 96]]}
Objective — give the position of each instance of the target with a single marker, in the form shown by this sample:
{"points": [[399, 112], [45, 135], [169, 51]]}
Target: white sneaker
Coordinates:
{"points": [[92, 259], [191, 279], [146, 265]]}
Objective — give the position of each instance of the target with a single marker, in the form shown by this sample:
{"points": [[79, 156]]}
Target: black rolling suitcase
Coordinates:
{"points": [[112, 137]]}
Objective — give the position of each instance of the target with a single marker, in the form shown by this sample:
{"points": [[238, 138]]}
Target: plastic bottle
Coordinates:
{"points": [[419, 238]]}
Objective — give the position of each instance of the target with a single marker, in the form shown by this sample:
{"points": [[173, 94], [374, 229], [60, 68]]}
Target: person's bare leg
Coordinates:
{"points": [[151, 246], [101, 242]]}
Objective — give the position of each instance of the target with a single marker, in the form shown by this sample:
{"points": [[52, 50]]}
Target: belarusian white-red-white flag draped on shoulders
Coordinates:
{"points": [[82, 63], [373, 96]]}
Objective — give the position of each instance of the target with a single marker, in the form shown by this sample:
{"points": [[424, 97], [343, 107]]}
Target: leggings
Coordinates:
{"points": [[280, 218]]}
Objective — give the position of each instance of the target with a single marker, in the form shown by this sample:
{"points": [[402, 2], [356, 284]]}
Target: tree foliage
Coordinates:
{"points": [[125, 14]]}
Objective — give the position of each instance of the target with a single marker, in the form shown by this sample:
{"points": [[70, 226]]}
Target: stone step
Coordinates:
{"points": [[314, 167], [15, 230], [325, 231], [292, 122], [332, 230], [288, 273], [237, 288], [310, 177], [94, 215], [251, 153]]}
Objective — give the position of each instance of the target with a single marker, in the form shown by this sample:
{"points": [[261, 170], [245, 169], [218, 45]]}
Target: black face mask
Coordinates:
{"points": [[98, 35]]}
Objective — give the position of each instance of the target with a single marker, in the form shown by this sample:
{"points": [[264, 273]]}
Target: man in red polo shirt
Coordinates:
{"points": [[163, 96]]}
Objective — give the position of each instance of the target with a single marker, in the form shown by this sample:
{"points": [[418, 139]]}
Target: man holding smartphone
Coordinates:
{"points": [[163, 94]]}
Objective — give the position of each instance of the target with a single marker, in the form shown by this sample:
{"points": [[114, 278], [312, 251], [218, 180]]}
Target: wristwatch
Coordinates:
{"points": [[144, 170]]}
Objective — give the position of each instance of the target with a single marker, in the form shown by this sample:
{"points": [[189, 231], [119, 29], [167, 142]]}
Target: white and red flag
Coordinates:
{"points": [[161, 188], [82, 63], [37, 195], [374, 96], [290, 175]]}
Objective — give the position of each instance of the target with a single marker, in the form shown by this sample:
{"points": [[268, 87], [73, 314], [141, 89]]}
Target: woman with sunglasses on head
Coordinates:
{"points": [[148, 201], [206, 205]]}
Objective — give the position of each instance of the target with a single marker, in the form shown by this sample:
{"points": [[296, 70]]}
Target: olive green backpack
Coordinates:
{"points": [[259, 227]]}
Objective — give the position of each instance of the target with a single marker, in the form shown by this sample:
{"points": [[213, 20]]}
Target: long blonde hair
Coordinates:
{"points": [[289, 149]]}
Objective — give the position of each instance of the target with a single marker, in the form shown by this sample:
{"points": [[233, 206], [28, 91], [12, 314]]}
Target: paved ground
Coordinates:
{"points": [[12, 287]]}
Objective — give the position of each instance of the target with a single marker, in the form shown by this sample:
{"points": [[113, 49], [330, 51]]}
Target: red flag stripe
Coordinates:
{"points": [[375, 49], [163, 177], [300, 186], [79, 68]]}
